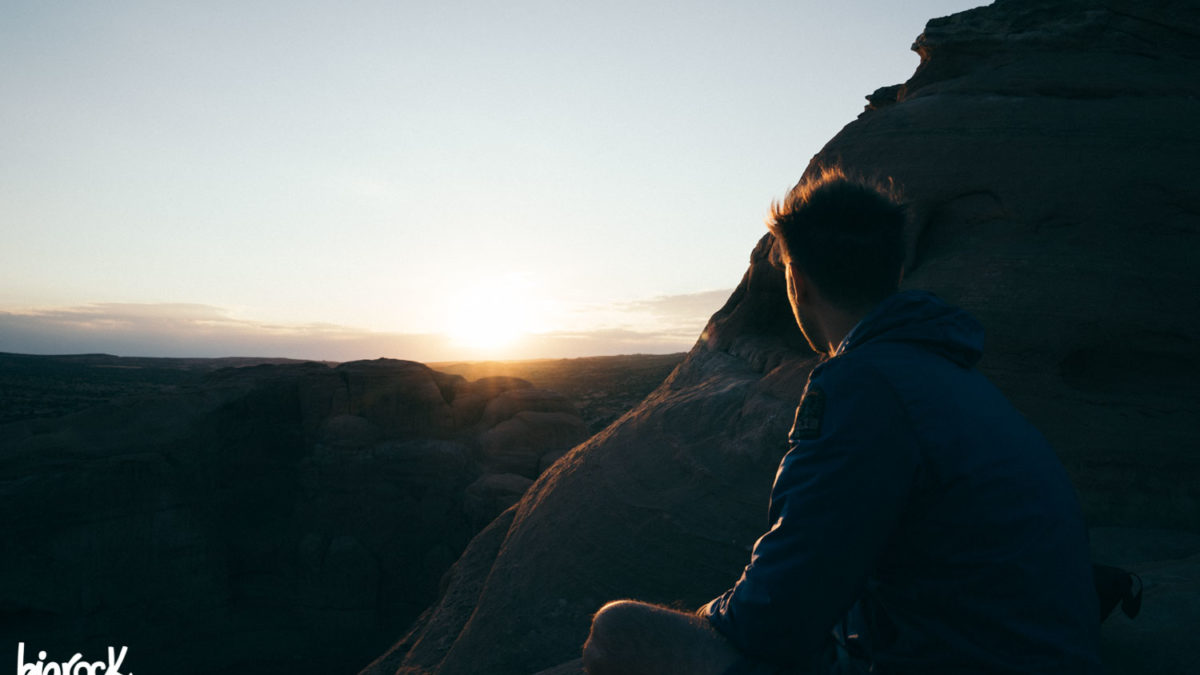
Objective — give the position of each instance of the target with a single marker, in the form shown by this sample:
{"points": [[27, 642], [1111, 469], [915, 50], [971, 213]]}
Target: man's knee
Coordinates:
{"points": [[612, 629], [618, 616]]}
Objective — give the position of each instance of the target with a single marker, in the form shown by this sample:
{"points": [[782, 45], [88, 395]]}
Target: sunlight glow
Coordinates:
{"points": [[493, 314]]}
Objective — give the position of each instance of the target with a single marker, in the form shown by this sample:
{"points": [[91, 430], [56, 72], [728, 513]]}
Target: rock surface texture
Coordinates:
{"points": [[279, 518], [1046, 151]]}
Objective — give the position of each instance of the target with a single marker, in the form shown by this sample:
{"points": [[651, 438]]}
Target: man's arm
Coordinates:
{"points": [[836, 500]]}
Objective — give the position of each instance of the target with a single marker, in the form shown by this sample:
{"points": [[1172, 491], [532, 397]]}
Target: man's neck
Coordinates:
{"points": [[837, 324]]}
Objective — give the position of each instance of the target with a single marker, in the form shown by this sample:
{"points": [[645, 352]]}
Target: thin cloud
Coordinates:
{"points": [[603, 342], [677, 317], [688, 307], [195, 330], [657, 325]]}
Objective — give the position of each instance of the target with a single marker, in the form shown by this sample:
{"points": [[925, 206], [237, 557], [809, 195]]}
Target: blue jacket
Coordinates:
{"points": [[918, 514]]}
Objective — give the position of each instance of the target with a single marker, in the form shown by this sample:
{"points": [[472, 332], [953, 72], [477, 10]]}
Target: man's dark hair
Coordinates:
{"points": [[846, 235]]}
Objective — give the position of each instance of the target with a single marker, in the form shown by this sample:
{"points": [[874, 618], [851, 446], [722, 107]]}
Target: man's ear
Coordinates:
{"points": [[801, 288]]}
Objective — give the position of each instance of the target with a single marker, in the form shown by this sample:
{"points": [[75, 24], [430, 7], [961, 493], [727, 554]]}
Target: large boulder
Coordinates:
{"points": [[1046, 150], [404, 398], [492, 495], [508, 403], [517, 444], [472, 398]]}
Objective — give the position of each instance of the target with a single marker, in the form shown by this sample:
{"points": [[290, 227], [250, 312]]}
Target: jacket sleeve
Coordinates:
{"points": [[837, 497]]}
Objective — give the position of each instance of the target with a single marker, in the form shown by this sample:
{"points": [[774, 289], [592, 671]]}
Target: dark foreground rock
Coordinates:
{"points": [[277, 518], [1162, 638], [1046, 150]]}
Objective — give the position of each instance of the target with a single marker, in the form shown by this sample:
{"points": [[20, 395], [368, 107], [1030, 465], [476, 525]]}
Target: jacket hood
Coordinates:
{"points": [[922, 319]]}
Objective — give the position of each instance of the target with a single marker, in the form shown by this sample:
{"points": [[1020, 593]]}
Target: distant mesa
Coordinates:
{"points": [[51, 386]]}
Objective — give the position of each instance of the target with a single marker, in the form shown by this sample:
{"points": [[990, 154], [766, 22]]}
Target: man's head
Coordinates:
{"points": [[841, 242]]}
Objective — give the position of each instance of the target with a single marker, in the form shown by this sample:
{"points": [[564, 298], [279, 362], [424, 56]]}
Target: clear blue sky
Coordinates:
{"points": [[344, 180]]}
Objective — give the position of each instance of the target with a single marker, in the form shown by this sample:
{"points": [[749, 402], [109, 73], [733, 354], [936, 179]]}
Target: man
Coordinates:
{"points": [[918, 523]]}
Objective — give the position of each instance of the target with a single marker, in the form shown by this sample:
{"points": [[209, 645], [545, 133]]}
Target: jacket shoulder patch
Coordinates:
{"points": [[808, 415]]}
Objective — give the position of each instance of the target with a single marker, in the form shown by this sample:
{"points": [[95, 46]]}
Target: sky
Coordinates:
{"points": [[432, 181]]}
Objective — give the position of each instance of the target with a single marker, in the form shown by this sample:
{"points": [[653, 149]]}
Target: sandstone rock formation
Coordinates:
{"points": [[1045, 150], [277, 518], [492, 495], [517, 444]]}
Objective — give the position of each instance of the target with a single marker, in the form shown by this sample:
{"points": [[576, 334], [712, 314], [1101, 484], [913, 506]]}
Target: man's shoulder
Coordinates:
{"points": [[867, 366], [847, 390], [892, 381], [899, 365]]}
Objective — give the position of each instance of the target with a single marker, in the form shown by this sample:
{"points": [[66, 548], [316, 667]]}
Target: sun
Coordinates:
{"points": [[490, 316]]}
